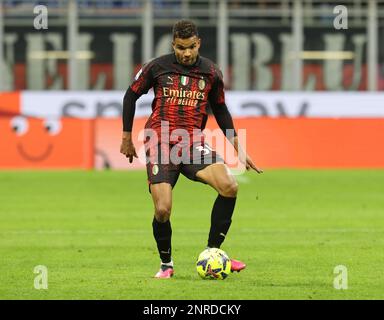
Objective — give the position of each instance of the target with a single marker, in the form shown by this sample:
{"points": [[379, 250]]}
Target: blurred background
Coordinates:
{"points": [[290, 68]]}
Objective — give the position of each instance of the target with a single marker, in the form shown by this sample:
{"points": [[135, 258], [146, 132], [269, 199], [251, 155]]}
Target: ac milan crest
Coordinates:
{"points": [[201, 84]]}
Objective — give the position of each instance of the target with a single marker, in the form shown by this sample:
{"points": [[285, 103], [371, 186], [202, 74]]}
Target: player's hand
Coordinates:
{"points": [[244, 158], [248, 162], [128, 149], [250, 165]]}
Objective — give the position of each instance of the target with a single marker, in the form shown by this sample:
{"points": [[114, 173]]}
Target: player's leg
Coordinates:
{"points": [[162, 230], [219, 177], [162, 178], [208, 167]]}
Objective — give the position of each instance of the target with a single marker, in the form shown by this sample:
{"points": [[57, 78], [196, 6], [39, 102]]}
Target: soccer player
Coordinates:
{"points": [[184, 84]]}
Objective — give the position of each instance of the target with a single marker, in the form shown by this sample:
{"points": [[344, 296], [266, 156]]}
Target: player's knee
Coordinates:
{"points": [[162, 212], [229, 189]]}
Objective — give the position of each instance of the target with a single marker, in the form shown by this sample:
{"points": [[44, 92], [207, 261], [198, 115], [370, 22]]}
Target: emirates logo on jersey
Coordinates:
{"points": [[184, 80], [181, 93]]}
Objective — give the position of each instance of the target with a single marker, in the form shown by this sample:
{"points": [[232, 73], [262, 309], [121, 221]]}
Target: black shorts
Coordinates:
{"points": [[165, 162]]}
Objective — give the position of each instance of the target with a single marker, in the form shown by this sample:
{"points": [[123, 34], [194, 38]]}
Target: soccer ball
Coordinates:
{"points": [[213, 263]]}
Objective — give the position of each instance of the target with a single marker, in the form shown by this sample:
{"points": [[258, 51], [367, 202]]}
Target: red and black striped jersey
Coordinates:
{"points": [[181, 93]]}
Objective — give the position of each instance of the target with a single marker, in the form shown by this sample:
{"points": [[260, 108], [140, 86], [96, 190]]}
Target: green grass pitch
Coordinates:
{"points": [[92, 230]]}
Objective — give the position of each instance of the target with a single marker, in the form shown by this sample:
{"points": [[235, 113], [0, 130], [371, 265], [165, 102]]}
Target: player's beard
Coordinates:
{"points": [[191, 61]]}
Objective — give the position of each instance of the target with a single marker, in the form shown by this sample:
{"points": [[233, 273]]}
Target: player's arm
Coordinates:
{"points": [[225, 121], [142, 83], [129, 105]]}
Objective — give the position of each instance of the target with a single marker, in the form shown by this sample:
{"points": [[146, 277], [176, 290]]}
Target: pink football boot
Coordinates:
{"points": [[165, 272], [237, 265]]}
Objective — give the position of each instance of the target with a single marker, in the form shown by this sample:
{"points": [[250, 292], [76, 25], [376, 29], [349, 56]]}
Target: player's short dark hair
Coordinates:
{"points": [[184, 29]]}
